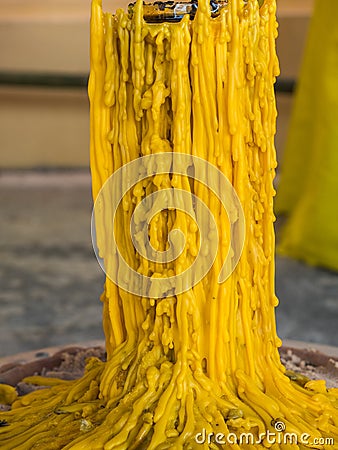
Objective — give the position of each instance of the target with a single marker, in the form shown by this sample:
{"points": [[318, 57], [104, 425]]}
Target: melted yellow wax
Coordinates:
{"points": [[202, 87], [204, 362]]}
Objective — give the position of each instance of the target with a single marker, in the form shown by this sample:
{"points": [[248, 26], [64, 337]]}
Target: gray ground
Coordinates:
{"points": [[50, 281]]}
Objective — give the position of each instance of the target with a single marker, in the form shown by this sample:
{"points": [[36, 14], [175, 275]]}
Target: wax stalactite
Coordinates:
{"points": [[205, 359]]}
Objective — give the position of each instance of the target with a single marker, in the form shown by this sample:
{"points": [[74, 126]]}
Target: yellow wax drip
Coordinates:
{"points": [[205, 361]]}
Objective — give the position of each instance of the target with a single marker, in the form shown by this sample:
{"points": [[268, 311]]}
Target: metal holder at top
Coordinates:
{"points": [[173, 11]]}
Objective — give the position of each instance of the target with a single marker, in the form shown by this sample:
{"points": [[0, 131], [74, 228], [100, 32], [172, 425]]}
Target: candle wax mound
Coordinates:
{"points": [[201, 368]]}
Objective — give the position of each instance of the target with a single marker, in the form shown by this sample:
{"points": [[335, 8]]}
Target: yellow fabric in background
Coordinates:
{"points": [[308, 189]]}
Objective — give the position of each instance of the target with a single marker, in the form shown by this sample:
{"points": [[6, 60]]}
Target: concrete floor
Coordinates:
{"points": [[50, 281]]}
